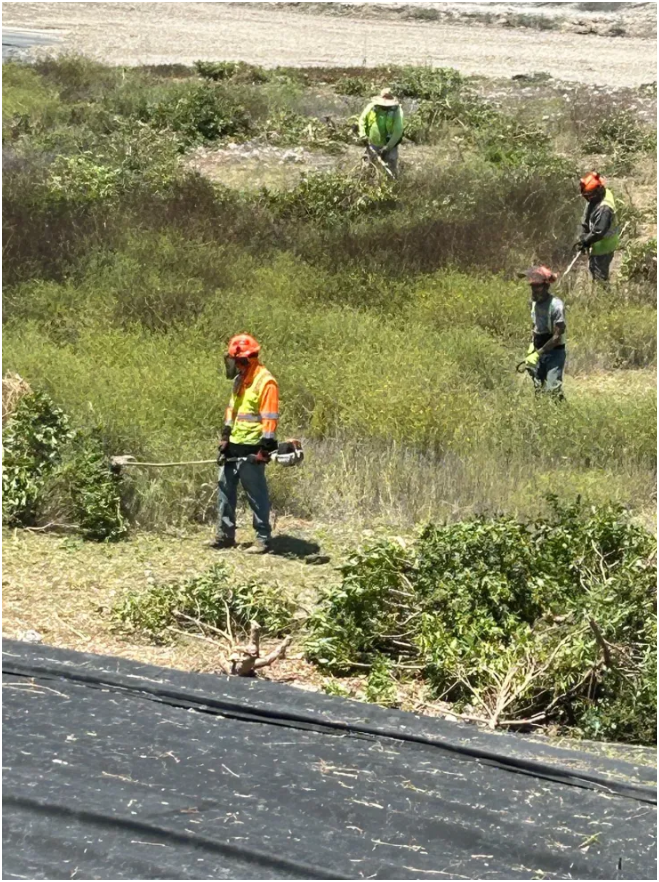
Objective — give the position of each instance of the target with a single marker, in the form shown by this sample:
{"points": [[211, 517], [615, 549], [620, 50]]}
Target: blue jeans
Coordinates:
{"points": [[549, 372], [252, 477]]}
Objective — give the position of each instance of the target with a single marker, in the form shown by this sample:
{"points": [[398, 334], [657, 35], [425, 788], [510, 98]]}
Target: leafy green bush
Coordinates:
{"points": [[32, 446], [77, 78], [551, 620], [639, 262], [52, 471], [330, 198], [83, 490], [212, 598], [427, 83], [357, 86], [620, 136], [381, 683], [201, 112], [231, 70]]}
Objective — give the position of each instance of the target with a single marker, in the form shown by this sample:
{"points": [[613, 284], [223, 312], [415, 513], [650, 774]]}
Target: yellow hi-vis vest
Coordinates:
{"points": [[247, 426], [611, 238]]}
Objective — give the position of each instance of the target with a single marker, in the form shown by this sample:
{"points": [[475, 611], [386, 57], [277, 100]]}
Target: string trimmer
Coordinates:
{"points": [[288, 454], [377, 160]]}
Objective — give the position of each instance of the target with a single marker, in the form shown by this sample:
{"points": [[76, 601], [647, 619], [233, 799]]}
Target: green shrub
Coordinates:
{"points": [[212, 598], [549, 620], [330, 198], [83, 490], [77, 78], [32, 446], [201, 112], [639, 262], [427, 83], [620, 136], [53, 472], [231, 70], [357, 86], [381, 684]]}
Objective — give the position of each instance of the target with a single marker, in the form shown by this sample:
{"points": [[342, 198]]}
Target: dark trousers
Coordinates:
{"points": [[599, 266]]}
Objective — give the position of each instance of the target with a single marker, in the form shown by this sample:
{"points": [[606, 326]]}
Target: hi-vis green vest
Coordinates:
{"points": [[611, 238], [381, 125], [247, 426]]}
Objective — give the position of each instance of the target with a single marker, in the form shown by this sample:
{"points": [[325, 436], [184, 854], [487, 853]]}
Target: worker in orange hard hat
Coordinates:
{"points": [[250, 427], [545, 360], [599, 232]]}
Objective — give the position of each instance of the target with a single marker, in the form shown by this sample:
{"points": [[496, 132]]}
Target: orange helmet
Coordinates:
{"points": [[591, 183], [243, 346], [540, 275]]}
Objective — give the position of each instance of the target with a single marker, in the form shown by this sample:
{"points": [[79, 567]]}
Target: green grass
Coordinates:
{"points": [[392, 317]]}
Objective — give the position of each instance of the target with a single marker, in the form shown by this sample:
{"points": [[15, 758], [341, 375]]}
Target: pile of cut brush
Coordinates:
{"points": [[516, 624]]}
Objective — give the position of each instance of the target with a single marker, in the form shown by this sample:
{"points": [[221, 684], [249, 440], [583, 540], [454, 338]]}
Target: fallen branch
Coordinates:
{"points": [[224, 664], [601, 642], [279, 652], [203, 625], [54, 527]]}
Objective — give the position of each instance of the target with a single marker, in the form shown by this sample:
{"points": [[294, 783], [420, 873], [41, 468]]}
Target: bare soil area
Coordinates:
{"points": [[272, 35]]}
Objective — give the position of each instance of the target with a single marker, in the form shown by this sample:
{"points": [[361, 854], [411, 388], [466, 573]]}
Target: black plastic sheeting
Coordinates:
{"points": [[117, 770]]}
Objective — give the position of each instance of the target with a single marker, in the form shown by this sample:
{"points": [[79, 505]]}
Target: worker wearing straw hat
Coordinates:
{"points": [[381, 128]]}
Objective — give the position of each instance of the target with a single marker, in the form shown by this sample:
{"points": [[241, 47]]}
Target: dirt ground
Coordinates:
{"points": [[273, 34]]}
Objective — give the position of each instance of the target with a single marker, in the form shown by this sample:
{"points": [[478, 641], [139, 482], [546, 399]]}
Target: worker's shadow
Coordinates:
{"points": [[293, 546]]}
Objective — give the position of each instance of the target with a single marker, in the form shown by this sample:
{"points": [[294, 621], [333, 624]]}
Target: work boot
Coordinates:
{"points": [[222, 542], [259, 547]]}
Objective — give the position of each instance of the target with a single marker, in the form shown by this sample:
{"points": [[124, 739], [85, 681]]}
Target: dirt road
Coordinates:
{"points": [[156, 33]]}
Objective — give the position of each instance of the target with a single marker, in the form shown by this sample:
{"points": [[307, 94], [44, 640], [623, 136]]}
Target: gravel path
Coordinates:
{"points": [[157, 33]]}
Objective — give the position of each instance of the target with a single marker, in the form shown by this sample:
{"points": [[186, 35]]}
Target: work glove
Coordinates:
{"points": [[580, 245], [532, 359], [262, 456]]}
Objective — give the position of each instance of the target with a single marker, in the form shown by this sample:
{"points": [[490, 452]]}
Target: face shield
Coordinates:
{"points": [[234, 366]]}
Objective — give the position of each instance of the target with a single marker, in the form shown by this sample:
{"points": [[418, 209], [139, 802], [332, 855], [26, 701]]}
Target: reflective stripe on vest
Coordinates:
{"points": [[248, 428], [611, 238]]}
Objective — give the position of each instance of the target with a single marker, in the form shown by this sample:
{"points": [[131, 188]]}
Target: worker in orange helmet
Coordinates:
{"points": [[545, 360], [250, 427], [599, 232]]}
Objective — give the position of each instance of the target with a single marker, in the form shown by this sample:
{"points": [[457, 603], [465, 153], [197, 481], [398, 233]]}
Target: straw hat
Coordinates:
{"points": [[385, 99]]}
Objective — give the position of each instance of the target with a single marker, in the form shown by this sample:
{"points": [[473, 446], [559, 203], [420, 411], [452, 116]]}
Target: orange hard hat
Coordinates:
{"points": [[540, 275], [243, 346], [591, 182]]}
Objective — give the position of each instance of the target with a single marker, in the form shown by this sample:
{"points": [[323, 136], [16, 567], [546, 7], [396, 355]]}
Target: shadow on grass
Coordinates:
{"points": [[296, 548]]}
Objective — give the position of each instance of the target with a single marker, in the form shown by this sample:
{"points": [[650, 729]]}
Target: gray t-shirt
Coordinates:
{"points": [[545, 315]]}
